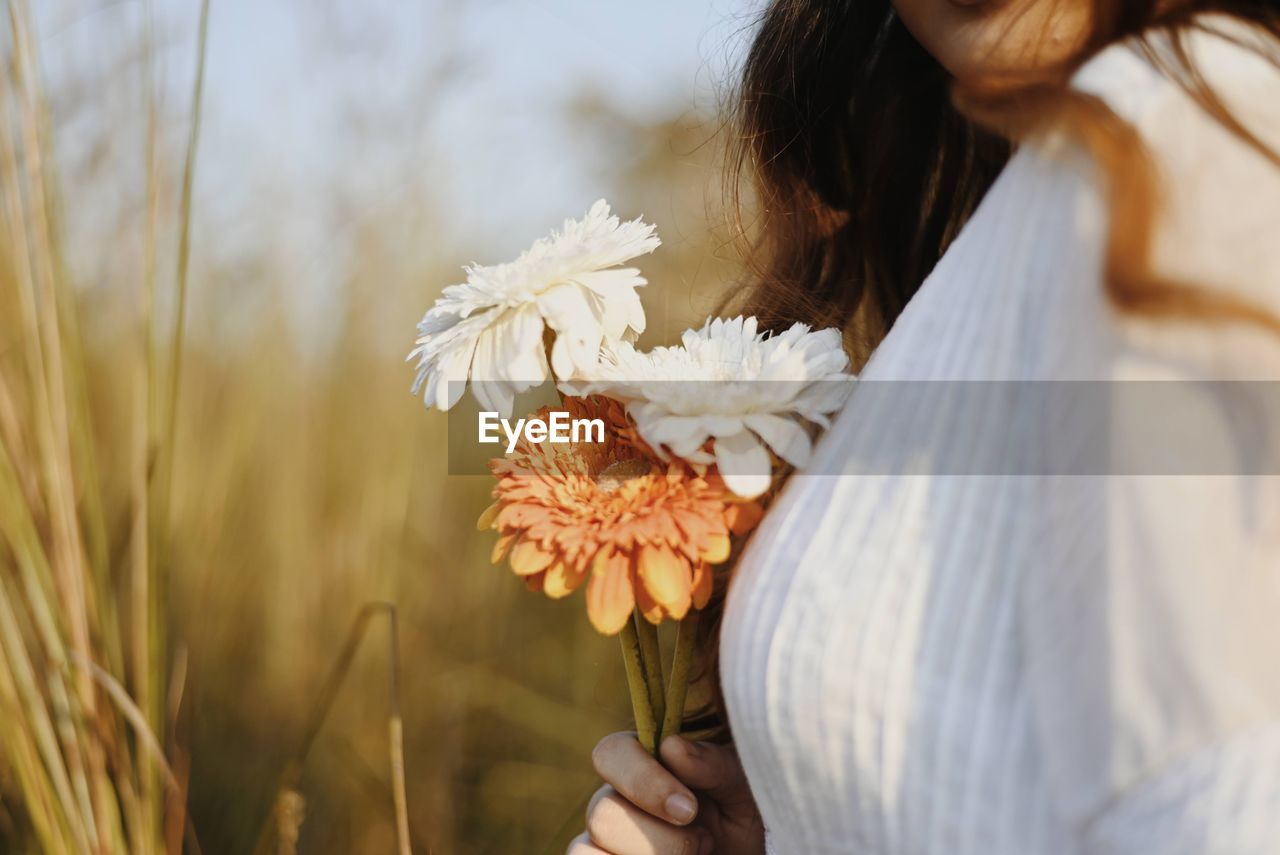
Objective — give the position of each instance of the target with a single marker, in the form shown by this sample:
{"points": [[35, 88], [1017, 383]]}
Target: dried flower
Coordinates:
{"points": [[729, 394], [490, 329], [639, 530]]}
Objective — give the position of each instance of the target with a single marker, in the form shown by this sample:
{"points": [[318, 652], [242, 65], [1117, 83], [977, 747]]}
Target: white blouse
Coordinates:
{"points": [[1011, 661]]}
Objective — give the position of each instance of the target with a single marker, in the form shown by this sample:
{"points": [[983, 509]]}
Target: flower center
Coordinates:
{"points": [[620, 472]]}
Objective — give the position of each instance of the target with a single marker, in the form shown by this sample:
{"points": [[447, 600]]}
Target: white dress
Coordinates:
{"points": [[1034, 662]]}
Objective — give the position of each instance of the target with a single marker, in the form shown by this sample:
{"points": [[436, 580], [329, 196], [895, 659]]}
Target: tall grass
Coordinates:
{"points": [[84, 672]]}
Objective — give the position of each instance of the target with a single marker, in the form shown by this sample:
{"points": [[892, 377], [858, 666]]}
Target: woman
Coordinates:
{"points": [[974, 657]]}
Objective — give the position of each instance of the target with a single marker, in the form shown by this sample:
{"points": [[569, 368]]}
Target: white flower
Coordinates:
{"points": [[489, 330], [726, 382]]}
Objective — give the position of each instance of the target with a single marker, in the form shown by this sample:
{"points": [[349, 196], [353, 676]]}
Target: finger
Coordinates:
{"points": [[705, 766], [582, 845], [598, 795], [617, 826], [634, 773]]}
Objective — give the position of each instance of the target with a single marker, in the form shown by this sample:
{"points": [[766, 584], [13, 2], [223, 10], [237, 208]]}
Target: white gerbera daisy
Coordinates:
{"points": [[747, 391], [489, 330]]}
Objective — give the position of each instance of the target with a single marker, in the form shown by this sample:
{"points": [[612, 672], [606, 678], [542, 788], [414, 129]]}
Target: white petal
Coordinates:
{"points": [[682, 434], [613, 282], [743, 464], [822, 398], [523, 357], [599, 209], [623, 313], [445, 348], [787, 439], [575, 315], [721, 425], [450, 379], [487, 383], [494, 395]]}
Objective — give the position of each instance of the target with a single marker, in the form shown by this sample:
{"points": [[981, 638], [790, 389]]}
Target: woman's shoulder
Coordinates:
{"points": [[1216, 200], [1152, 81], [1206, 106]]}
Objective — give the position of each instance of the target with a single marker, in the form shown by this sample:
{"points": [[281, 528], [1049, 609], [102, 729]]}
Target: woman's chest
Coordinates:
{"points": [[870, 655], [872, 669]]}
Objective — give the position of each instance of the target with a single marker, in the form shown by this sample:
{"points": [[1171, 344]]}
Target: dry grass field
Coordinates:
{"points": [[202, 488]]}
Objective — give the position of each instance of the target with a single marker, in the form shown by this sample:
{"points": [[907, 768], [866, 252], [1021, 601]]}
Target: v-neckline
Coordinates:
{"points": [[981, 212]]}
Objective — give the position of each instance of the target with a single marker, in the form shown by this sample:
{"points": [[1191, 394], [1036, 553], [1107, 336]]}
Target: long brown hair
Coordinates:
{"points": [[864, 160]]}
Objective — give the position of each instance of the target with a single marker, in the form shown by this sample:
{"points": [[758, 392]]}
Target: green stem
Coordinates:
{"points": [[646, 724], [679, 685], [651, 657]]}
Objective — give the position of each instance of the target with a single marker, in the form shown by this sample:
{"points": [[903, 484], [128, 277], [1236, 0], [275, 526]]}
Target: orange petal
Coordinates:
{"points": [[665, 575], [500, 548], [562, 579], [715, 548], [655, 527], [649, 607], [535, 582], [610, 599], [512, 516], [742, 517], [695, 528], [702, 583], [489, 517], [529, 558]]}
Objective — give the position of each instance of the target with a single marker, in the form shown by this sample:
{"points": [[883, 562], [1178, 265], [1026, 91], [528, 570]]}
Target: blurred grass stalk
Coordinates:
{"points": [[82, 682], [287, 816]]}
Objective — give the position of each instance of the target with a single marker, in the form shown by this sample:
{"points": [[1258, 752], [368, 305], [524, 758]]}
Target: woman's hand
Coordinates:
{"points": [[699, 803]]}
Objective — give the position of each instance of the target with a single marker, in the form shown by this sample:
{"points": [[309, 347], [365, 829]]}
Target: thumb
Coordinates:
{"points": [[709, 768]]}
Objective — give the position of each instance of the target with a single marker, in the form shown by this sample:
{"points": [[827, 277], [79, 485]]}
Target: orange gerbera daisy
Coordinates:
{"points": [[641, 531]]}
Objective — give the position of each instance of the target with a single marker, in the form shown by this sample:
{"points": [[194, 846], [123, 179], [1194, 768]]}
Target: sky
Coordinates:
{"points": [[284, 80], [322, 113]]}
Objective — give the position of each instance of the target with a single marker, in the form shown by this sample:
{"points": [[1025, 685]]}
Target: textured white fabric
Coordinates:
{"points": [[1022, 664]]}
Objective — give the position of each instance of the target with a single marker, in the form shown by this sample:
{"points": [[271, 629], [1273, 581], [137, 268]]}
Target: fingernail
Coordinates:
{"points": [[680, 808], [693, 749], [706, 845]]}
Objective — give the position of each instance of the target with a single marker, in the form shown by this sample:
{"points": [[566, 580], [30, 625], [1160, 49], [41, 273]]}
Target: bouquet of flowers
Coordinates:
{"points": [[689, 441]]}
